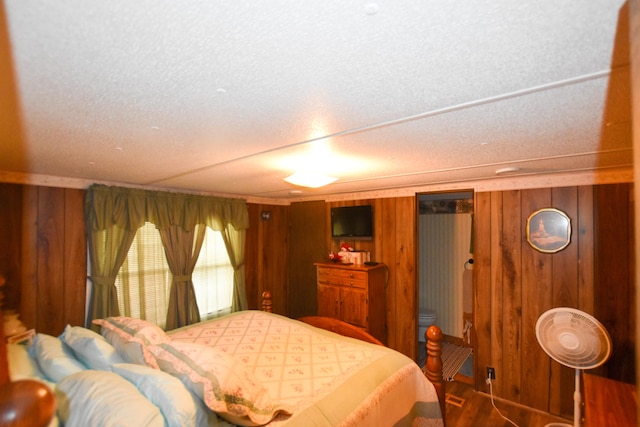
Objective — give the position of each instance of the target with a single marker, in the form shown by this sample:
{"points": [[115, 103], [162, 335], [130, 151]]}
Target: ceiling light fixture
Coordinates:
{"points": [[505, 171], [310, 179]]}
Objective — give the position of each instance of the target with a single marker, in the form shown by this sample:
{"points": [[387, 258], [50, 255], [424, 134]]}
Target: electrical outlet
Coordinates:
{"points": [[491, 373]]}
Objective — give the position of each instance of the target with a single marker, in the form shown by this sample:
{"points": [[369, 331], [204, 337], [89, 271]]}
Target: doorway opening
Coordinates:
{"points": [[445, 277]]}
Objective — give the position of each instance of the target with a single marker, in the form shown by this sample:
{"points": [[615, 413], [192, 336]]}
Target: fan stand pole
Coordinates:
{"points": [[577, 399]]}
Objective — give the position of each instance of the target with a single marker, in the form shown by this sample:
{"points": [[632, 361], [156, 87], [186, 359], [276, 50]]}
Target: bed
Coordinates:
{"points": [[247, 368]]}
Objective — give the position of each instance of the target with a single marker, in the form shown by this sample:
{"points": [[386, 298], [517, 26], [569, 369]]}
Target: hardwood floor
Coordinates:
{"points": [[477, 411]]}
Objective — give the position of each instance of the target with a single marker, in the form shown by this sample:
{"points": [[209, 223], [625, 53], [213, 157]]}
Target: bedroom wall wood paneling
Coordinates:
{"points": [[267, 256], [54, 258], [514, 284], [11, 247], [48, 256], [398, 249]]}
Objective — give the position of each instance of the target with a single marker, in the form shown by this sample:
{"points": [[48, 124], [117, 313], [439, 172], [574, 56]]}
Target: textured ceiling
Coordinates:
{"points": [[230, 97]]}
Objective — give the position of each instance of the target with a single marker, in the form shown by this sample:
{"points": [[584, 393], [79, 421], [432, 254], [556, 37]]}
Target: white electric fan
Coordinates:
{"points": [[574, 339]]}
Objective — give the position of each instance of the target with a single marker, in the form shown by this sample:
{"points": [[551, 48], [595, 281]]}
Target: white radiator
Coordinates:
{"points": [[444, 243]]}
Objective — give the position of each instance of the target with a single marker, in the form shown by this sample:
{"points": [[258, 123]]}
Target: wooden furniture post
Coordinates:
{"points": [[434, 364], [267, 302], [23, 403]]}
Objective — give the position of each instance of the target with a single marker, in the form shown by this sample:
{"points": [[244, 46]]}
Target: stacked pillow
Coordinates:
{"points": [[99, 398], [212, 377], [144, 330], [179, 406], [132, 337], [223, 383], [54, 357], [90, 348], [132, 370]]}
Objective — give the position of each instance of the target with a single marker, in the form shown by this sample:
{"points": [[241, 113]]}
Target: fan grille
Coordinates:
{"points": [[573, 338]]}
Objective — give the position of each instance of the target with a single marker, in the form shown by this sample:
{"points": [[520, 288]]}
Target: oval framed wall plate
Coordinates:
{"points": [[548, 230]]}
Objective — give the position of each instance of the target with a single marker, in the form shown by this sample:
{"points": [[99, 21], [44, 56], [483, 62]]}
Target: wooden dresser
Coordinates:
{"points": [[609, 403], [354, 294]]}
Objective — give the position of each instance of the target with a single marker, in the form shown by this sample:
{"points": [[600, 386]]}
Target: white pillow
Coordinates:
{"points": [[131, 348], [224, 384], [105, 399], [180, 407], [90, 348], [54, 358], [148, 332]]}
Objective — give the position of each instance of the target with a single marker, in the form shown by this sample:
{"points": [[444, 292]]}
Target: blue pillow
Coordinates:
{"points": [[90, 348], [99, 398], [54, 358], [178, 405]]}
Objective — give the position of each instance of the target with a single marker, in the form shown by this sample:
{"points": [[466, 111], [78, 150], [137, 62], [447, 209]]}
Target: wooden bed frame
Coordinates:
{"points": [[30, 403], [433, 366], [23, 403]]}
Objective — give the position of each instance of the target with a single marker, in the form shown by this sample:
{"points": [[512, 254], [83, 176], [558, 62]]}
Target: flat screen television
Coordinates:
{"points": [[352, 222]]}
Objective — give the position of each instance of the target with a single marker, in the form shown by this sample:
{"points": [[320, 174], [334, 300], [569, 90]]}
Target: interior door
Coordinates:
{"points": [[307, 234]]}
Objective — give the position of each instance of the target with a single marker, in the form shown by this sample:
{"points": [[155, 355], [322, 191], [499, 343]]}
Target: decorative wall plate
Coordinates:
{"points": [[548, 230]]}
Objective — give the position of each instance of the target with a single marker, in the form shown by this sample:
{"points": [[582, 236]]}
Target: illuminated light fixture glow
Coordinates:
{"points": [[508, 170], [310, 179]]}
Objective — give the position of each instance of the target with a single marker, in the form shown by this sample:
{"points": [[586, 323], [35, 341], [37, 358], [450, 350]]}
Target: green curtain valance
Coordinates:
{"points": [[130, 208]]}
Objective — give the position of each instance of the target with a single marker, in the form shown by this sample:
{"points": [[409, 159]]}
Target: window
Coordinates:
{"points": [[144, 280], [213, 277]]}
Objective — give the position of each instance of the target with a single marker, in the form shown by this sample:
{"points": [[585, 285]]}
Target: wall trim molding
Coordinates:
{"points": [[499, 183]]}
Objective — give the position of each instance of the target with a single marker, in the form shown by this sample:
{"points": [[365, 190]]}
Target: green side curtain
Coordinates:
{"points": [[182, 249], [234, 241], [108, 249], [113, 215]]}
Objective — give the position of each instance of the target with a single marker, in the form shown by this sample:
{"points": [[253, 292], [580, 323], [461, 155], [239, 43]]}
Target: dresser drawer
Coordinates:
{"points": [[352, 283], [355, 279], [342, 273]]}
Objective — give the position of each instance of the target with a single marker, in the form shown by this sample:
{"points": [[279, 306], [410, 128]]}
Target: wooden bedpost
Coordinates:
{"points": [[23, 403], [267, 301], [433, 367]]}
